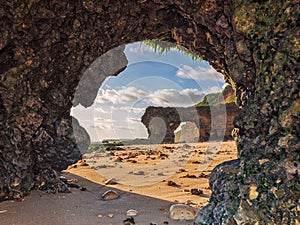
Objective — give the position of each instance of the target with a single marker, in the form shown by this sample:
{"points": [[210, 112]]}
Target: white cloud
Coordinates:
{"points": [[124, 95], [199, 73], [134, 120], [213, 89], [124, 128], [100, 110], [102, 126], [138, 49], [101, 119], [161, 97], [172, 97], [134, 110]]}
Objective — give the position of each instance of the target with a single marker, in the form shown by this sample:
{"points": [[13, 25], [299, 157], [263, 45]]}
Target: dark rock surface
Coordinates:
{"points": [[221, 204], [213, 122], [46, 46]]}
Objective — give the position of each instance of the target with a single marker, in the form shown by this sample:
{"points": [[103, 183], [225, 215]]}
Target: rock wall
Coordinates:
{"points": [[218, 126], [46, 46]]}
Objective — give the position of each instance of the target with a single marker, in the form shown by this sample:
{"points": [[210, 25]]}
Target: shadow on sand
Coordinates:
{"points": [[85, 208]]}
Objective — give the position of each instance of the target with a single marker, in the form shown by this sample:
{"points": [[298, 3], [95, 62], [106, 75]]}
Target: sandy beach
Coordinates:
{"points": [[145, 183]]}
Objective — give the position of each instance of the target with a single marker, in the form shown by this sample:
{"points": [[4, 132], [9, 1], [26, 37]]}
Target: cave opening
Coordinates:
{"points": [[146, 119], [45, 49]]}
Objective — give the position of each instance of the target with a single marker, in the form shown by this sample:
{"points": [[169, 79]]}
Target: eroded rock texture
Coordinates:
{"points": [[46, 46], [213, 122]]}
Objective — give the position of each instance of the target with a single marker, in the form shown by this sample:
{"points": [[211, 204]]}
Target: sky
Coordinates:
{"points": [[171, 79]]}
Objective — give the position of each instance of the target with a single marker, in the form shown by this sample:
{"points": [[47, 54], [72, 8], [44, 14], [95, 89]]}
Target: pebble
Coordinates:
{"points": [[111, 181], [182, 212], [109, 195], [72, 181], [132, 212], [129, 221], [140, 173], [63, 179], [110, 215], [172, 183], [82, 189], [186, 146], [196, 191]]}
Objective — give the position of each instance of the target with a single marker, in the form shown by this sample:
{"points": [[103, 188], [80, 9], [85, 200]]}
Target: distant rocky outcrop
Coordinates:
{"points": [[210, 119], [224, 97], [213, 122]]}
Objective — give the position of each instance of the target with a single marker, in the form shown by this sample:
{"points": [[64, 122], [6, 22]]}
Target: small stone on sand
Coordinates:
{"points": [[129, 221], [172, 183], [63, 179], [72, 181], [195, 191], [132, 212], [111, 181], [110, 215], [182, 212], [110, 195]]}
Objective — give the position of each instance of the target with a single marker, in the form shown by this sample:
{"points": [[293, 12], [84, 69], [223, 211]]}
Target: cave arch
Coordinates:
{"points": [[212, 122], [45, 50], [188, 132]]}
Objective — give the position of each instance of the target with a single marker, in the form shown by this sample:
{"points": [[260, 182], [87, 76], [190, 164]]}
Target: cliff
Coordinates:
{"points": [[213, 122], [224, 97]]}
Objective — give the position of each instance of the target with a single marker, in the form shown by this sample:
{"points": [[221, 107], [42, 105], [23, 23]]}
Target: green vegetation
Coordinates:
{"points": [[161, 47], [209, 99], [225, 97], [98, 147]]}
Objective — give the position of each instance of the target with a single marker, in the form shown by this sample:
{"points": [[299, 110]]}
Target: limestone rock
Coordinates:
{"points": [[182, 212], [215, 122], [111, 181], [129, 221], [110, 195], [132, 212]]}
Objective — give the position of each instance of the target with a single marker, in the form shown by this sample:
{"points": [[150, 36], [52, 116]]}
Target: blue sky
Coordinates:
{"points": [[171, 79]]}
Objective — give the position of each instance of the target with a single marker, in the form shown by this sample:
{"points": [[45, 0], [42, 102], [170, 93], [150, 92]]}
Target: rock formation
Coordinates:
{"points": [[212, 126], [187, 132], [223, 97], [46, 46]]}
